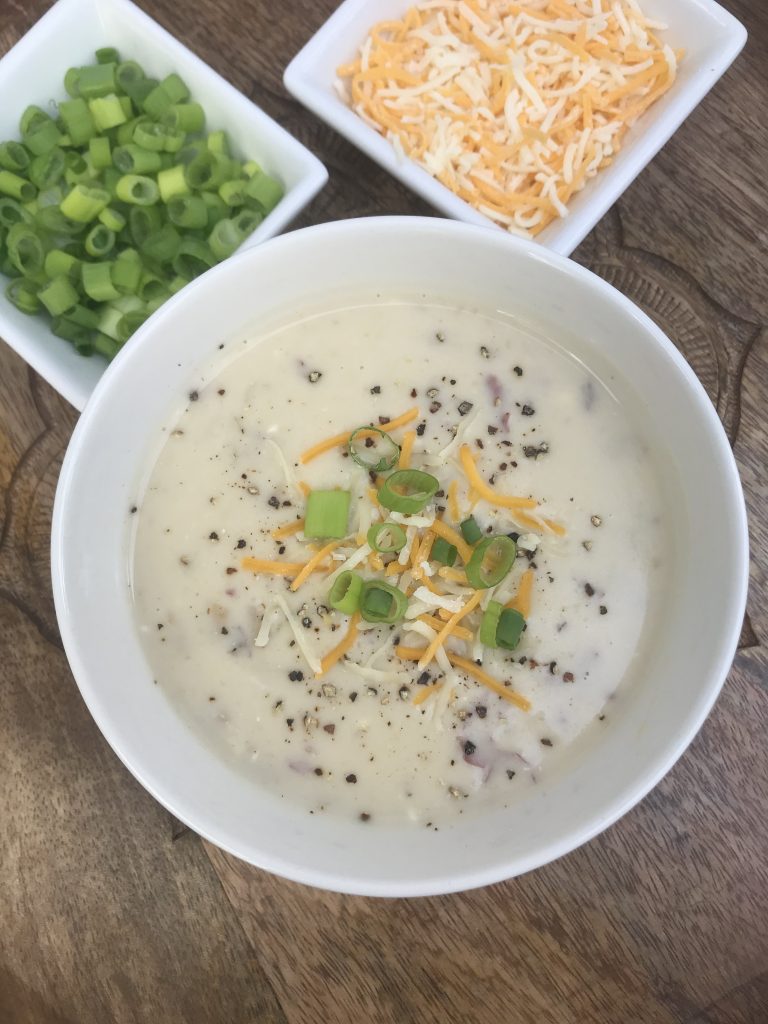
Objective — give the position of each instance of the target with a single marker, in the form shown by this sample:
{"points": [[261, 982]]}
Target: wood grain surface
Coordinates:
{"points": [[111, 912]]}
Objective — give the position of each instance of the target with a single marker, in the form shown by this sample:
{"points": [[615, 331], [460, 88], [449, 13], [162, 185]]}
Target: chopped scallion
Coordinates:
{"points": [[326, 514]]}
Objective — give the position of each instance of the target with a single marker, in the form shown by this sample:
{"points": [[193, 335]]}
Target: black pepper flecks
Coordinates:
{"points": [[527, 410], [274, 501], [351, 778], [240, 544], [365, 816], [421, 428], [213, 535], [296, 675], [464, 408], [533, 451], [193, 396], [546, 742], [518, 371], [376, 389], [469, 748], [567, 677], [603, 610], [481, 710], [589, 590], [314, 376]]}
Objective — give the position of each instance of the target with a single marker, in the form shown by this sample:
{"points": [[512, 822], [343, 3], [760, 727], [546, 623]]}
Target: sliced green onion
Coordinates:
{"points": [[135, 159], [81, 337], [52, 220], [246, 221], [100, 152], [76, 169], [50, 196], [125, 103], [443, 551], [72, 82], [381, 602], [184, 117], [99, 241], [17, 188], [84, 204], [386, 537], [23, 295], [59, 263], [107, 112], [250, 167], [233, 192], [193, 258], [470, 531], [510, 629], [142, 222], [97, 282], [105, 345], [25, 249], [326, 515], [138, 189], [31, 118], [489, 623], [112, 219], [151, 288], [161, 246], [127, 271], [149, 135], [224, 239], [175, 88], [188, 212], [58, 296], [345, 593], [47, 169], [490, 562], [265, 191], [216, 206], [373, 449], [217, 142], [83, 316], [172, 182], [12, 212], [408, 490], [128, 75], [107, 55], [77, 120], [96, 80], [157, 102], [129, 324], [13, 156]]}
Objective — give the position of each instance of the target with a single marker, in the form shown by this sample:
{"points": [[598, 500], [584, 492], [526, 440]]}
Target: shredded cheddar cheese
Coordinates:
{"points": [[425, 692], [276, 568], [445, 631], [521, 602], [493, 684], [512, 106], [404, 462], [333, 442], [485, 490], [341, 648], [288, 530]]}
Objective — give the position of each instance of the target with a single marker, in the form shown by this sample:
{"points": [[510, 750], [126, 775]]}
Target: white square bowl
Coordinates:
{"points": [[33, 72], [711, 37]]}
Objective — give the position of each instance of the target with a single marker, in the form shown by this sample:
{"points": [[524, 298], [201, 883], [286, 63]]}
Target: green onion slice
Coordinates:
{"points": [[489, 623], [386, 537], [408, 490], [470, 531], [490, 562], [381, 602], [443, 551], [345, 592], [373, 449], [326, 514], [510, 629]]}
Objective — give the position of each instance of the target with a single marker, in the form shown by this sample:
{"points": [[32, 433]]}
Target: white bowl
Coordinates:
{"points": [[711, 37], [33, 72], [107, 459]]}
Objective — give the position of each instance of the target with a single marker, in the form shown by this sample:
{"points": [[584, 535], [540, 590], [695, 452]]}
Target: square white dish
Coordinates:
{"points": [[711, 37], [33, 72]]}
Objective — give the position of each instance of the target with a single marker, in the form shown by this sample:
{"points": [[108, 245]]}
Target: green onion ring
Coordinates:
{"points": [[408, 490], [397, 537], [384, 461], [381, 602], [490, 562]]}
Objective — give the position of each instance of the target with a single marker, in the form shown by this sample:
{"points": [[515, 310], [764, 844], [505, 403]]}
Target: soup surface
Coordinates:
{"points": [[249, 651]]}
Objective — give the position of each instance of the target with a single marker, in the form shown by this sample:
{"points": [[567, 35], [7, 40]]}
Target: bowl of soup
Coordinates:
{"points": [[399, 557]]}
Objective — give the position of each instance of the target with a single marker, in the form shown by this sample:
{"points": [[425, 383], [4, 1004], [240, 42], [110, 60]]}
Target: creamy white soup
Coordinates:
{"points": [[527, 550]]}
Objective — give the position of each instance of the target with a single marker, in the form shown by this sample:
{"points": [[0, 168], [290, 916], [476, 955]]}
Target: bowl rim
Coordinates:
{"points": [[471, 878]]}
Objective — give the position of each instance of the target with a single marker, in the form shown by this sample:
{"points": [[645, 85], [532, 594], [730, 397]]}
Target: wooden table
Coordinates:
{"points": [[112, 912]]}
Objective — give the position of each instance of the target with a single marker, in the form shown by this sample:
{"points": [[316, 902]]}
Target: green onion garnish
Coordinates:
{"points": [[345, 592], [381, 602], [326, 514], [510, 629], [123, 169], [373, 449], [470, 531], [443, 551], [490, 562], [489, 623], [386, 537], [408, 490]]}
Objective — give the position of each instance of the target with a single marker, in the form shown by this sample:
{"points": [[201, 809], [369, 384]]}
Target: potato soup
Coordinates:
{"points": [[418, 622]]}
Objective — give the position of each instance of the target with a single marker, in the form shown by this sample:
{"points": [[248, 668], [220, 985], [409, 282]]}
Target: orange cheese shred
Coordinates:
{"points": [[429, 653], [406, 450], [425, 692], [333, 442], [485, 490], [276, 568], [288, 530], [314, 563], [341, 648], [521, 602], [453, 537], [483, 677]]}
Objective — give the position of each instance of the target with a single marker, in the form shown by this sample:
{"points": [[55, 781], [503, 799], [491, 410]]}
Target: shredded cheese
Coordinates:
{"points": [[512, 106], [485, 490], [276, 568], [447, 628], [299, 634], [426, 692], [288, 530], [341, 648], [461, 632], [406, 450], [453, 537], [521, 602], [493, 684], [313, 563], [333, 442]]}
